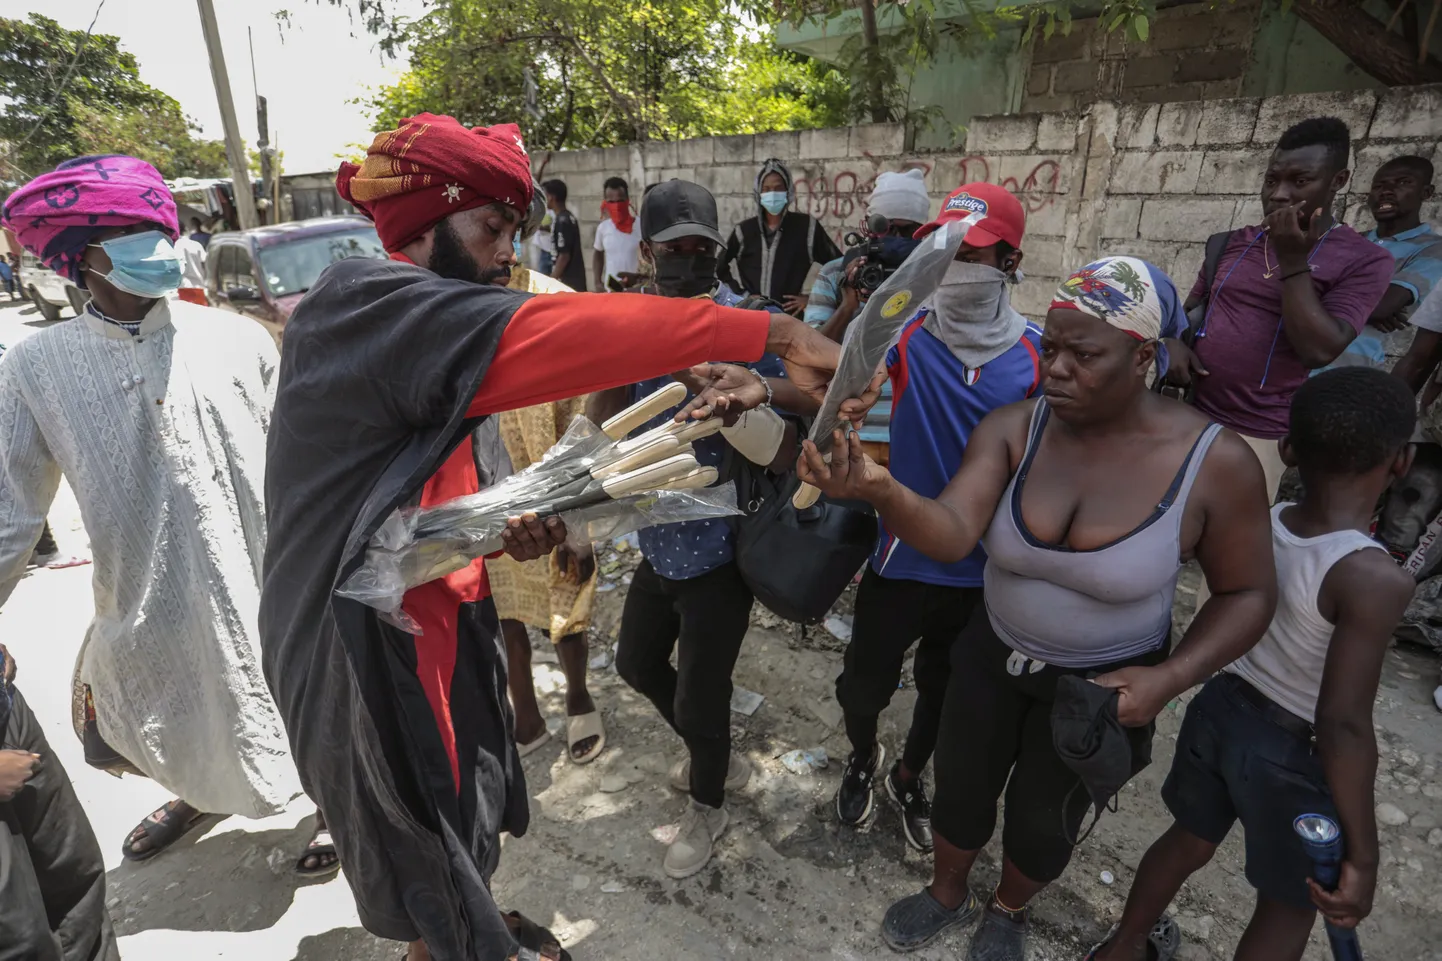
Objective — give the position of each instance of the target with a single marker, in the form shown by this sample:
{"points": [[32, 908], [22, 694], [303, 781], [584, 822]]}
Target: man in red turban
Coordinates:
{"points": [[405, 741]]}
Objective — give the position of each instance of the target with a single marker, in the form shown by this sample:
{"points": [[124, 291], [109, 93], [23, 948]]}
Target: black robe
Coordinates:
{"points": [[381, 361], [406, 743]]}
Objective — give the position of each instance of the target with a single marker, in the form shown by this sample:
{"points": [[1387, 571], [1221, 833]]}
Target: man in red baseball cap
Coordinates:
{"points": [[405, 741], [1005, 220], [962, 356]]}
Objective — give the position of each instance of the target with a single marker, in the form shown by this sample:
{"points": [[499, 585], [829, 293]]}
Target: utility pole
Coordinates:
{"points": [[234, 145], [262, 120], [268, 210]]}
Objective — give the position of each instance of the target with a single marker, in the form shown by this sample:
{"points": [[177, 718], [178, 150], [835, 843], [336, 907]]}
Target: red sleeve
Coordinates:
{"points": [[564, 345]]}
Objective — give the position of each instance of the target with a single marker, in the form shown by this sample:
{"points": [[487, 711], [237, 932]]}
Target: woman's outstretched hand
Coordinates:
{"points": [[850, 474]]}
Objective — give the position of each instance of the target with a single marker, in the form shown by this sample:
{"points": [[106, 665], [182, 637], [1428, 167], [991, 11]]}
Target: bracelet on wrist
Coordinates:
{"points": [[1297, 273], [764, 383]]}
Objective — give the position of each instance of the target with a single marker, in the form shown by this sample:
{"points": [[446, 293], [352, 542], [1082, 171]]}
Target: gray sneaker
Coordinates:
{"points": [[738, 773], [918, 919], [700, 827], [999, 938]]}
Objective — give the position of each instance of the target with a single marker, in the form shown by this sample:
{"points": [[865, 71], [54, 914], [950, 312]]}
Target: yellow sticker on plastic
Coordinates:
{"points": [[896, 303]]}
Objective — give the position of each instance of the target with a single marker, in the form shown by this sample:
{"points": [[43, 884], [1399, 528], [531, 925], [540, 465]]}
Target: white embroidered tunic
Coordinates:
{"points": [[161, 435]]}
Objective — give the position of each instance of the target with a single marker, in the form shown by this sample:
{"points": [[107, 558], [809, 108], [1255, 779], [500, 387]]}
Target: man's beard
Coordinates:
{"points": [[450, 259]]}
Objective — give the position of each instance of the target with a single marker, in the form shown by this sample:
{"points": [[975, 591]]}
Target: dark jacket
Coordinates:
{"points": [[775, 266]]}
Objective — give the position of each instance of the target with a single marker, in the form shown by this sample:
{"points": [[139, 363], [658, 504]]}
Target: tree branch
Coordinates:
{"points": [[1367, 43], [627, 102]]}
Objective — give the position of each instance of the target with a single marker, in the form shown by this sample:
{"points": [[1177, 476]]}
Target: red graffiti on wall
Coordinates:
{"points": [[843, 196], [1036, 191], [839, 197]]}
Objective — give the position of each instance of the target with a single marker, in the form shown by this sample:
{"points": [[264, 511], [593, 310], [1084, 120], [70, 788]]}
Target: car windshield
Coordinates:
{"points": [[292, 267]]}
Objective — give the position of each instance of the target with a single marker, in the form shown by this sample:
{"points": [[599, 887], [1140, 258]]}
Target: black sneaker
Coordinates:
{"points": [[915, 810], [853, 798]]}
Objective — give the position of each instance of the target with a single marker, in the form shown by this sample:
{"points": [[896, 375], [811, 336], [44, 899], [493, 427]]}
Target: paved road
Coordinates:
{"points": [[228, 893]]}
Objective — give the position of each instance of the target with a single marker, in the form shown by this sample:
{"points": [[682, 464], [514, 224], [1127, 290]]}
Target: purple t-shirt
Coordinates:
{"points": [[1253, 370]]}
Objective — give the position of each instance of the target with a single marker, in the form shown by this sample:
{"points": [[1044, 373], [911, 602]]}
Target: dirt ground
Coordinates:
{"points": [[789, 881]]}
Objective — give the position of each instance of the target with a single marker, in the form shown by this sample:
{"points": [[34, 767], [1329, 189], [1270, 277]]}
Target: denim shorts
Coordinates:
{"points": [[1234, 763]]}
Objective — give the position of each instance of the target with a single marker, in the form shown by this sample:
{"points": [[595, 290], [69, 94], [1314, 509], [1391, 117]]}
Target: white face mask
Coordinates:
{"points": [[968, 294], [972, 314]]}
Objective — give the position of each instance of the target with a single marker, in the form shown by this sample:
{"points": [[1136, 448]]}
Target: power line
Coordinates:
{"points": [[60, 87]]}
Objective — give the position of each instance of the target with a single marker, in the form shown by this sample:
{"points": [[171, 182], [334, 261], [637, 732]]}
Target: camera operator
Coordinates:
{"points": [[898, 206]]}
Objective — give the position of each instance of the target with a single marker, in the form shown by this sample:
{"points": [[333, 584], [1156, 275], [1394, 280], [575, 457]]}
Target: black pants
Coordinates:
{"points": [[52, 878], [995, 736], [890, 616], [705, 620]]}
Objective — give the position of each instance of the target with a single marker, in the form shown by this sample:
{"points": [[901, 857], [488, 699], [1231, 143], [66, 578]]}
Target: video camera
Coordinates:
{"points": [[879, 253]]}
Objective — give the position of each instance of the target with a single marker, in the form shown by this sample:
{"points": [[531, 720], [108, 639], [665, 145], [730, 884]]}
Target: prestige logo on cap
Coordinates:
{"points": [[973, 205]]}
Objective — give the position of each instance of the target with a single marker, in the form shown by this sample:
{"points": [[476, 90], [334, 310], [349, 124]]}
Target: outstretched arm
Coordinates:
{"points": [[564, 345], [948, 528], [1364, 595]]}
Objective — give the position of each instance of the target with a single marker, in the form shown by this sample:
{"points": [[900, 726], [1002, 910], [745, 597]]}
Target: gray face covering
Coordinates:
{"points": [[972, 315]]}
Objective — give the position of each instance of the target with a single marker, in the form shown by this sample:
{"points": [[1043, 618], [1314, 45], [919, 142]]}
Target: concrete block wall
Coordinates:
{"points": [[1180, 171], [1148, 179], [1194, 52]]}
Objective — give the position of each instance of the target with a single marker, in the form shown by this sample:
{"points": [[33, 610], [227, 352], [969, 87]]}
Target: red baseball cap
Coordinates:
{"points": [[1003, 217]]}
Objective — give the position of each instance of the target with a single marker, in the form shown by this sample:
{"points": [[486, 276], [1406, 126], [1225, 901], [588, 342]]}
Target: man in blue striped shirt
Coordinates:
{"points": [[1399, 189]]}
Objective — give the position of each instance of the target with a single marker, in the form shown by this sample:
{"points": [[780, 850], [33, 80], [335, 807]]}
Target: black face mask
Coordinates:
{"points": [[685, 275]]}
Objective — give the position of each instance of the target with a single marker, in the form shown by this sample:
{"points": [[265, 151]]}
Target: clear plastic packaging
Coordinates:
{"points": [[420, 544]]}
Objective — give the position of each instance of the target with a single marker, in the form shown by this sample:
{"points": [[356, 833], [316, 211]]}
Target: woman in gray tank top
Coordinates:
{"points": [[1087, 502]]}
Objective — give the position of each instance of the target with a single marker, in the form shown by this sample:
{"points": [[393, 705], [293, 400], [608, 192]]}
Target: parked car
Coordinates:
{"points": [[264, 272], [47, 290]]}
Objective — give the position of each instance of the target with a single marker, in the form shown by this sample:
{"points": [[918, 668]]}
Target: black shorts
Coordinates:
{"points": [[1234, 763]]}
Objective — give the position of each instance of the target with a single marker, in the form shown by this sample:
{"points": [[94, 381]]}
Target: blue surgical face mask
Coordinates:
{"points": [[773, 201], [143, 264]]}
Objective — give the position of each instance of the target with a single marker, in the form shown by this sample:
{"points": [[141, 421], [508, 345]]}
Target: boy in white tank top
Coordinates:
{"points": [[1287, 728]]}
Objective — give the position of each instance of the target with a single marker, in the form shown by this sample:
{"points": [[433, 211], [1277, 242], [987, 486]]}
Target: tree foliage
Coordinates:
{"points": [[592, 74], [103, 106], [575, 73]]}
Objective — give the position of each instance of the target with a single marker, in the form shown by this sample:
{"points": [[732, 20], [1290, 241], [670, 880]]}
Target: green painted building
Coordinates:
{"points": [[1196, 50]]}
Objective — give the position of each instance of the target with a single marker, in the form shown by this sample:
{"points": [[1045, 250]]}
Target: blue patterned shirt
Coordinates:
{"points": [[1418, 253]]}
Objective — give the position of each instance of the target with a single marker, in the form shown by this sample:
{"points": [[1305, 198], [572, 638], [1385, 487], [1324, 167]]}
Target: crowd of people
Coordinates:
{"points": [[1041, 496]]}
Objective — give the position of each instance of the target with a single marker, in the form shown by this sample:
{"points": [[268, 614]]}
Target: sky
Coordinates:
{"points": [[308, 76]]}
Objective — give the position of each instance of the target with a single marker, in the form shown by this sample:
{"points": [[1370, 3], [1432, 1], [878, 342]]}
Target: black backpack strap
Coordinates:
{"points": [[1216, 246]]}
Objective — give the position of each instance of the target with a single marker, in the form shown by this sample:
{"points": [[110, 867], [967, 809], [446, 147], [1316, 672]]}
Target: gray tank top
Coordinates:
{"points": [[1086, 608]]}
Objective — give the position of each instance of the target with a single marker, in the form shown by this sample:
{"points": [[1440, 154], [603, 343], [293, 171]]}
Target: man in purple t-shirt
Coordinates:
{"points": [[1287, 297]]}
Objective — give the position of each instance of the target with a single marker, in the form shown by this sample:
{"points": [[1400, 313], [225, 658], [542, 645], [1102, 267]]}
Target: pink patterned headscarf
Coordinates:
{"points": [[57, 214]]}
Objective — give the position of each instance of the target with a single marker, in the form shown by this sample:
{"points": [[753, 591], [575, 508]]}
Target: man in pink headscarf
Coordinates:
{"points": [[155, 411]]}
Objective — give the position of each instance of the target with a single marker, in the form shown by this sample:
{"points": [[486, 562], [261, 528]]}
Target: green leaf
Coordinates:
{"points": [[1141, 27]]}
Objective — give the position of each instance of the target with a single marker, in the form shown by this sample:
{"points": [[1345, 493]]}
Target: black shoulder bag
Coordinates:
{"points": [[796, 562]]}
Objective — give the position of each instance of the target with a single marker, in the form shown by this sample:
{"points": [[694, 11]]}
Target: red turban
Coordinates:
{"points": [[414, 177]]}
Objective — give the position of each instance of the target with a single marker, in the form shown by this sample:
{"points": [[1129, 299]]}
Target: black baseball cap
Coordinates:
{"points": [[679, 208]]}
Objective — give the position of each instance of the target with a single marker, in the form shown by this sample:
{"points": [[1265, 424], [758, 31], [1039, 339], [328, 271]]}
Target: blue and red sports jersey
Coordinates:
{"points": [[937, 401]]}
